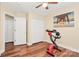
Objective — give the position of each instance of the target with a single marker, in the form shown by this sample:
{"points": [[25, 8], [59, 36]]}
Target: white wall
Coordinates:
{"points": [[69, 35], [34, 30], [5, 10]]}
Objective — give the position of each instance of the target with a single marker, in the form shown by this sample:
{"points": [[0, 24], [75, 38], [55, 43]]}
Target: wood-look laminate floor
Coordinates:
{"points": [[9, 46], [37, 50]]}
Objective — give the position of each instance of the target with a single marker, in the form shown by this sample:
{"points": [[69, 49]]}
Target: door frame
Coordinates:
{"points": [[3, 25], [12, 25]]}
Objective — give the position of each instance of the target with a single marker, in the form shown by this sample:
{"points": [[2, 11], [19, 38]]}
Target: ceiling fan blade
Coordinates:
{"points": [[52, 2], [38, 6], [47, 7]]}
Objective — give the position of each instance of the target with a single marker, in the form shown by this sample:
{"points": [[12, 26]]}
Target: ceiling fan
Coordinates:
{"points": [[45, 4]]}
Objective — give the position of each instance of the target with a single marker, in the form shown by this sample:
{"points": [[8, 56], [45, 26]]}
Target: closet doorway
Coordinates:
{"points": [[9, 32]]}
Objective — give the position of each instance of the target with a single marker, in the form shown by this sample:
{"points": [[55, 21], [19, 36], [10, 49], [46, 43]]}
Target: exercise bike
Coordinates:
{"points": [[54, 35]]}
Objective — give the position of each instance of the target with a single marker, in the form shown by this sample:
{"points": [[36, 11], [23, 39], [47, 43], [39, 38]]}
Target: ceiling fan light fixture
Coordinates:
{"points": [[44, 5]]}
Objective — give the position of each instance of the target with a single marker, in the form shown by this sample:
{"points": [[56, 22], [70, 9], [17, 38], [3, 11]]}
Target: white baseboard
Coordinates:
{"points": [[29, 44], [72, 49]]}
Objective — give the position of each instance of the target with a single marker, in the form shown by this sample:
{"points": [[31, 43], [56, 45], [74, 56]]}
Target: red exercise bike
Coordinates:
{"points": [[54, 35]]}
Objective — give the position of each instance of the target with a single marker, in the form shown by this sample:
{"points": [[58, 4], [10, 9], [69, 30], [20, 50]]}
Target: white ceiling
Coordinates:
{"points": [[25, 7]]}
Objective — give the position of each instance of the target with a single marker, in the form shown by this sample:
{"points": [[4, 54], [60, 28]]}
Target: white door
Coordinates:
{"points": [[20, 31], [9, 28], [37, 31]]}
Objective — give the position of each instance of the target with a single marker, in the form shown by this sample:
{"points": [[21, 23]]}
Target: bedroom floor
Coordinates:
{"points": [[37, 50]]}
